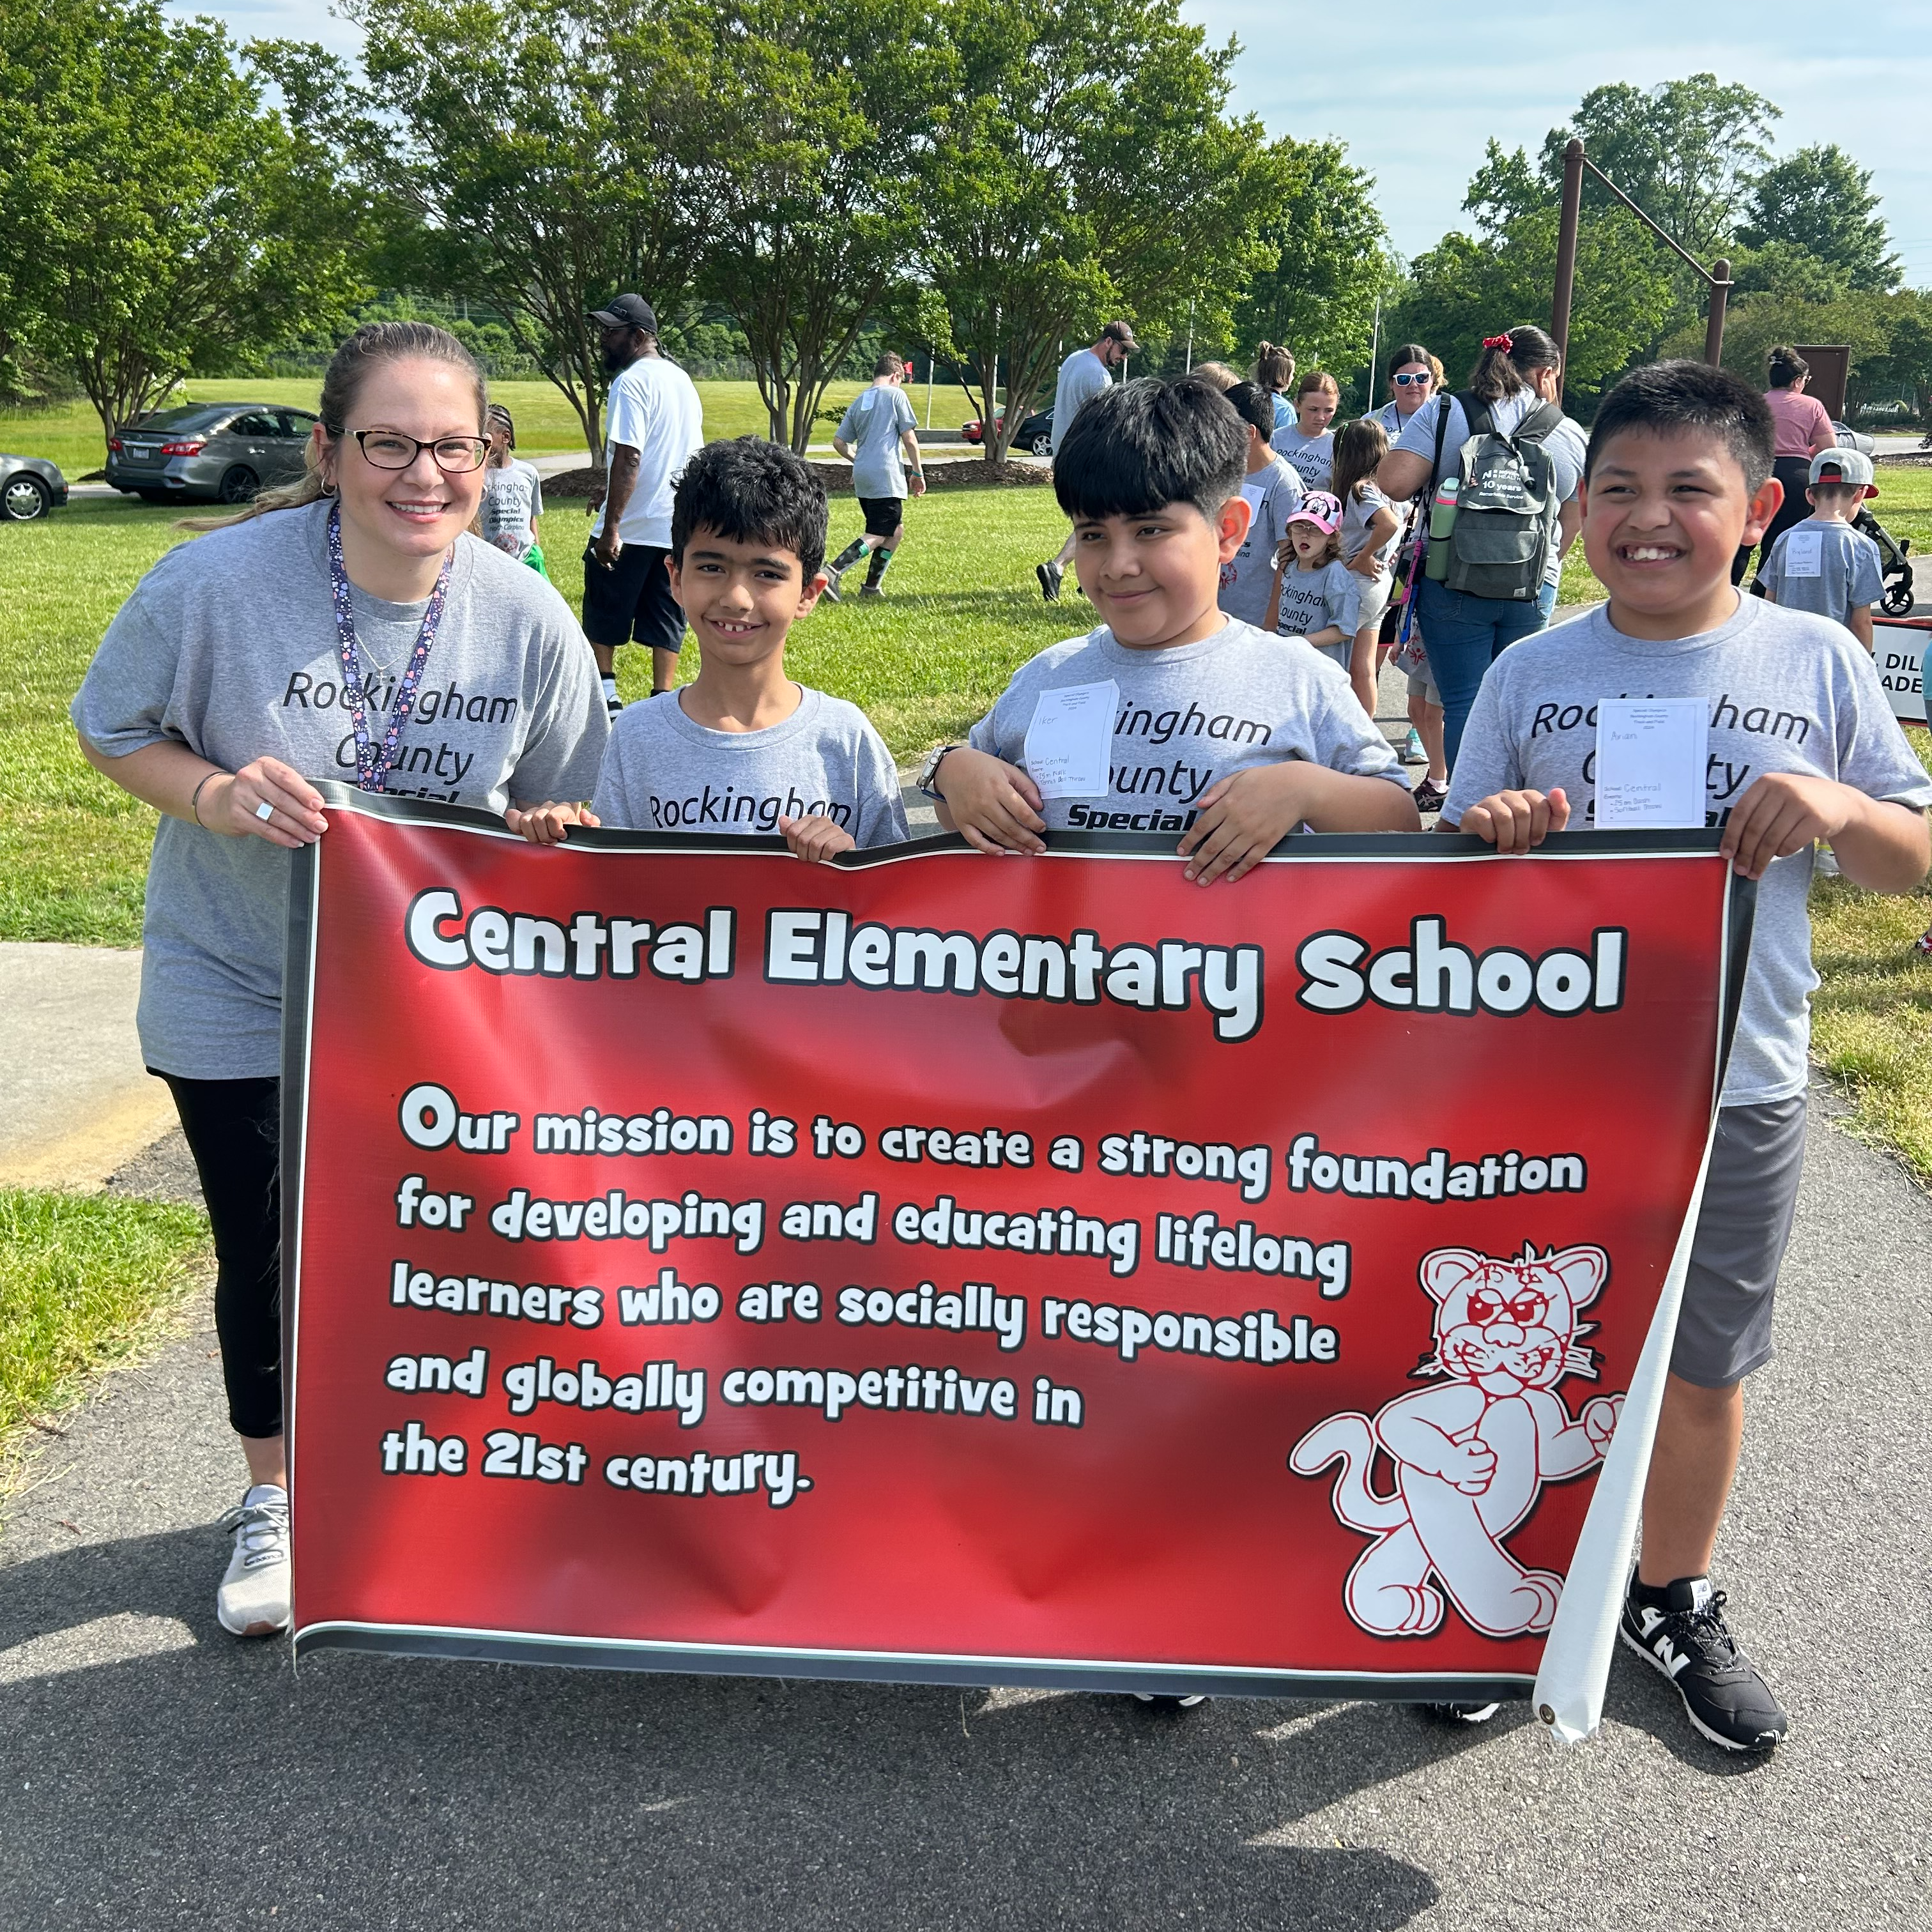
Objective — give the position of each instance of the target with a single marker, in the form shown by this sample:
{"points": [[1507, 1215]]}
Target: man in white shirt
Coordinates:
{"points": [[1085, 374], [653, 425], [879, 437]]}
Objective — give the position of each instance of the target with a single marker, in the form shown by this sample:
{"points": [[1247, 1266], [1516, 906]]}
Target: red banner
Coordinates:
{"points": [[937, 1267]]}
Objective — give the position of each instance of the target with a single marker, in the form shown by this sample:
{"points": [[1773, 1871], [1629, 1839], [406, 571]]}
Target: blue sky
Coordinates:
{"points": [[1415, 106]]}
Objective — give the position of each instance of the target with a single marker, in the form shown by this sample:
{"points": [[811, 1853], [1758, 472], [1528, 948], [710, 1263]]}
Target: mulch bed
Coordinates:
{"points": [[968, 473], [1903, 459]]}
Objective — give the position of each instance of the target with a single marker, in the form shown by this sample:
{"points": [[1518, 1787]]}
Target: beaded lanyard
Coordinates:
{"points": [[372, 767]]}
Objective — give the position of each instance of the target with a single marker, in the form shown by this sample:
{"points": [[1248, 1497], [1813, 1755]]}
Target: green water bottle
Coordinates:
{"points": [[1441, 521]]}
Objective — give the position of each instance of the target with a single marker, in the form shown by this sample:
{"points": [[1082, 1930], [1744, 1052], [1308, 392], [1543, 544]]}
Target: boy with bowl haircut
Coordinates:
{"points": [[1220, 732], [742, 750], [1823, 565], [1803, 746]]}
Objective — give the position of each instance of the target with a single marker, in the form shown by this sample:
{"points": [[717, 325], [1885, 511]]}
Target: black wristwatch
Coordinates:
{"points": [[929, 771]]}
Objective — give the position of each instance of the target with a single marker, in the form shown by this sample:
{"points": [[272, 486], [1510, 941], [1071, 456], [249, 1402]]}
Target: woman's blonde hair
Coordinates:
{"points": [[1218, 373], [373, 346]]}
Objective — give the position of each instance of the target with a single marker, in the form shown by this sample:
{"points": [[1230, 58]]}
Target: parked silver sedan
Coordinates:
{"points": [[30, 486], [221, 451]]}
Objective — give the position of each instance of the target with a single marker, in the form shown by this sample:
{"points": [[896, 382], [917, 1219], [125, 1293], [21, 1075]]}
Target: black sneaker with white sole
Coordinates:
{"points": [[1049, 575], [1461, 1713], [1680, 1630], [1162, 1702]]}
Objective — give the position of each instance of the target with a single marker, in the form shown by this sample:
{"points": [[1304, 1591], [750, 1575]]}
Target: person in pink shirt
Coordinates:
{"points": [[1804, 428]]}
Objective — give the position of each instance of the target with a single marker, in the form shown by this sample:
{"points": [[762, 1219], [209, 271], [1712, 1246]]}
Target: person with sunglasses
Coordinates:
{"points": [[1414, 375], [349, 626]]}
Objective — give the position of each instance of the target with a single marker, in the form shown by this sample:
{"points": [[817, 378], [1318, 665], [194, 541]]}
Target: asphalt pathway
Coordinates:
{"points": [[154, 1773]]}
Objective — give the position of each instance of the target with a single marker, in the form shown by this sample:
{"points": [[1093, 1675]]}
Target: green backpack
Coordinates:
{"points": [[1506, 506]]}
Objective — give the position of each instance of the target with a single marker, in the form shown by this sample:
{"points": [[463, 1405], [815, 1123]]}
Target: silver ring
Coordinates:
{"points": [[264, 811]]}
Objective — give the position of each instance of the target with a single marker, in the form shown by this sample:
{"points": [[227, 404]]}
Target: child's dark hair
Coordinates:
{"points": [[1842, 494], [1316, 378], [1140, 446], [751, 491], [1274, 367], [1255, 406], [1506, 359], [1359, 450], [1666, 398]]}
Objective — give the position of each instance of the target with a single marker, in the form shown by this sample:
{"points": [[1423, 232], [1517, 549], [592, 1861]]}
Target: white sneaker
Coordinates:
{"points": [[1165, 1703], [253, 1599]]}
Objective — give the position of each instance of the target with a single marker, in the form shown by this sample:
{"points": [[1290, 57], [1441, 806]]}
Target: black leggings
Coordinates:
{"points": [[1795, 473], [234, 1130]]}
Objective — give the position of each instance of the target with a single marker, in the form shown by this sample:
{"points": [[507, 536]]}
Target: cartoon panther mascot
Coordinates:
{"points": [[1472, 1453]]}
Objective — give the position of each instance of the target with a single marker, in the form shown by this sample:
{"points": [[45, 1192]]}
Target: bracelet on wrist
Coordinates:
{"points": [[194, 800]]}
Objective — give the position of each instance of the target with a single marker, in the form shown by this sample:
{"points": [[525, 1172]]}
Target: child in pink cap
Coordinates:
{"points": [[1316, 597]]}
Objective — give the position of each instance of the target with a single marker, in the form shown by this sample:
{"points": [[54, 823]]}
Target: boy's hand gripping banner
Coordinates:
{"points": [[946, 1268]]}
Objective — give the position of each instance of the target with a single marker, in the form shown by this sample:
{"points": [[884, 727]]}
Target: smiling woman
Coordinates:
{"points": [[205, 701]]}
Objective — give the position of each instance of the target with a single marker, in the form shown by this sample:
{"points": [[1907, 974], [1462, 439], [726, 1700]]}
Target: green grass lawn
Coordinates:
{"points": [[84, 1281], [70, 435], [925, 662]]}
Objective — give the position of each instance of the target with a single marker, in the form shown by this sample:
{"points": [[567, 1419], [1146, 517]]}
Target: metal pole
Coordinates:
{"points": [[1190, 337], [1713, 328], [1374, 357], [1566, 251], [928, 386]]}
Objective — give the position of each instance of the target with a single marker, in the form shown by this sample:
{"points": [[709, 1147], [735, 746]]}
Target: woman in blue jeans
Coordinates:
{"points": [[1464, 635]]}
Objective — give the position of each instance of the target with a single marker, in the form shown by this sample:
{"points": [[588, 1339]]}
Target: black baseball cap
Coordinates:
{"points": [[627, 312]]}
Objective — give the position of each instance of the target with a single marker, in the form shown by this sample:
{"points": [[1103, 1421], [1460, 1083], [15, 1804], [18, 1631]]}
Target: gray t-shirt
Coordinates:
{"points": [[1788, 691], [1849, 576], [1313, 456], [512, 501], [663, 772], [1566, 445], [1188, 715], [1364, 500], [1083, 374], [873, 425], [228, 645], [1311, 600], [1273, 494]]}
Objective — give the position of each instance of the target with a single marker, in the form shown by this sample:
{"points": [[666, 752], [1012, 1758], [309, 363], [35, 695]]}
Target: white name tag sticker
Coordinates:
{"points": [[1070, 744], [1804, 552], [1651, 756]]}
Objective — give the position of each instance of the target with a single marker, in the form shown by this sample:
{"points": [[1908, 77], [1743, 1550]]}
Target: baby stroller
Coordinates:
{"points": [[1897, 601]]}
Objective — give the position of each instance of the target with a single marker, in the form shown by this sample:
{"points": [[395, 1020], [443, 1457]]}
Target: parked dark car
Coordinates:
{"points": [[221, 451], [1035, 434], [30, 486]]}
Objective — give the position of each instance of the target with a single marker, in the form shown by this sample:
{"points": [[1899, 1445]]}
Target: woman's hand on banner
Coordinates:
{"points": [[816, 838], [548, 824], [1517, 821], [232, 804], [994, 804]]}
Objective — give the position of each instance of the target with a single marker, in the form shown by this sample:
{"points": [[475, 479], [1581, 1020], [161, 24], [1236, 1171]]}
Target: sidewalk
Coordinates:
{"points": [[76, 1102]]}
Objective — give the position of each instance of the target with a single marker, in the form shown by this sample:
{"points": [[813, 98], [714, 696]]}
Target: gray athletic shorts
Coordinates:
{"points": [[1724, 1329]]}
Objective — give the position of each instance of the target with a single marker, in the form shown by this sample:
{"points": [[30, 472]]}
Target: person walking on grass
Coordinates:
{"points": [[512, 496], [346, 626], [879, 437], [653, 425], [1083, 375]]}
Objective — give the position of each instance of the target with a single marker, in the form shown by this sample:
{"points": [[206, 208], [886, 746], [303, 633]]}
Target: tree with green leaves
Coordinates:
{"points": [[550, 154], [1820, 201], [1686, 152], [824, 220], [1328, 263], [156, 219], [1084, 166]]}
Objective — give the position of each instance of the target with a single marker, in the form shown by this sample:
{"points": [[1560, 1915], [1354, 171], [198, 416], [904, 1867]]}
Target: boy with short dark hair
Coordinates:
{"points": [[1220, 732], [1823, 565], [1273, 492], [742, 749], [1678, 474]]}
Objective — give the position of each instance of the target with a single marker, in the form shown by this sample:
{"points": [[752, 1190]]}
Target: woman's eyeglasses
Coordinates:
{"points": [[390, 449], [1403, 381]]}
